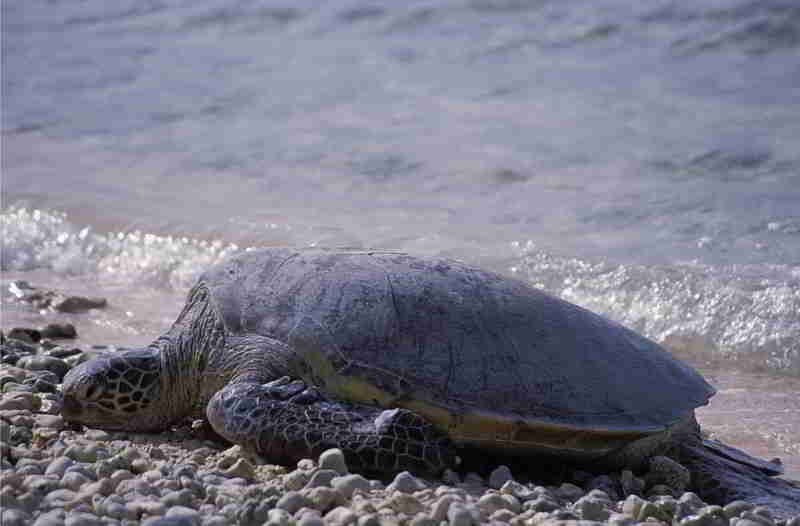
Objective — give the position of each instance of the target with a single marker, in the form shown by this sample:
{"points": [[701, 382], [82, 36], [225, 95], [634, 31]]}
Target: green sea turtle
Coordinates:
{"points": [[400, 362]]}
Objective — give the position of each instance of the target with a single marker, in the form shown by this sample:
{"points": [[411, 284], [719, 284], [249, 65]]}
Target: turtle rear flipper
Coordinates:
{"points": [[286, 421], [770, 468], [722, 474]]}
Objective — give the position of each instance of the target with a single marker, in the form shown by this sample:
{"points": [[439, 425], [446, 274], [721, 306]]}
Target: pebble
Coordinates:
{"points": [[499, 476], [20, 401], [51, 364], [459, 515], [333, 459], [184, 519], [24, 334], [491, 502], [240, 468], [406, 483], [340, 516], [348, 484], [570, 492], [293, 501], [591, 508], [321, 477], [78, 304], [59, 330], [322, 498], [736, 508]]}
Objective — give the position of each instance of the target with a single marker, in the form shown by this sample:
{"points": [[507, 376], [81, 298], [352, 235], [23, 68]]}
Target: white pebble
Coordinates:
{"points": [[348, 484], [340, 516], [499, 476], [333, 459], [406, 482]]}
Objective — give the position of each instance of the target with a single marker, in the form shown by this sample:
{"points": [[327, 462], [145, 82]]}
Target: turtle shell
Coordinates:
{"points": [[491, 360]]}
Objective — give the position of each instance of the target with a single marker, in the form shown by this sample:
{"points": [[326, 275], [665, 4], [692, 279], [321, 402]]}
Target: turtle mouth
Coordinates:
{"points": [[88, 413]]}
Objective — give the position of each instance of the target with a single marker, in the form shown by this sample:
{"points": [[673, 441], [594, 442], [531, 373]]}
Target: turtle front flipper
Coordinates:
{"points": [[286, 421]]}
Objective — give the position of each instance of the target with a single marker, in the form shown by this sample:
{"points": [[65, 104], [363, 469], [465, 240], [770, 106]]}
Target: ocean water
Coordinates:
{"points": [[638, 158]]}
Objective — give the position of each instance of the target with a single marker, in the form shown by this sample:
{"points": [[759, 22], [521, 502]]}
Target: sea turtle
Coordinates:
{"points": [[403, 361]]}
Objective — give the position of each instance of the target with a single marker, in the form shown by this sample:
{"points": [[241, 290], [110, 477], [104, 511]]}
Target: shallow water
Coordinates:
{"points": [[639, 159]]}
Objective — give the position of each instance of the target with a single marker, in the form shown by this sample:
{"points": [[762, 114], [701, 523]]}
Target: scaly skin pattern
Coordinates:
{"points": [[287, 421]]}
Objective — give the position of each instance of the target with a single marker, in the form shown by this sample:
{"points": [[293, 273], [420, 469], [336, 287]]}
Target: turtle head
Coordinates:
{"points": [[118, 392]]}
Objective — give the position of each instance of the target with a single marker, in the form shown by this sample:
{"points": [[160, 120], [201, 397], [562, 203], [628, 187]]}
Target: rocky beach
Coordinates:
{"points": [[56, 474]]}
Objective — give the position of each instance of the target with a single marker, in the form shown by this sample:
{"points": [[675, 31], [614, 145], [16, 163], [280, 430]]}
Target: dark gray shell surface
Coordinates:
{"points": [[440, 333]]}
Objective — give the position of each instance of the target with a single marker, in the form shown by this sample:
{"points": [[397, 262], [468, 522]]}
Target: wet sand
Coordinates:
{"points": [[759, 413]]}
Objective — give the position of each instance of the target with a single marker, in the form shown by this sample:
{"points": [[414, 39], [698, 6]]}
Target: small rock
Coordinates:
{"points": [[420, 519], [650, 510], [473, 479], [348, 484], [82, 519], [90, 452], [293, 501], [371, 519], [541, 503], [520, 491], [74, 480], [24, 334], [491, 502], [502, 516], [44, 363], [333, 459], [182, 497], [760, 515], [707, 516], [321, 477], [322, 498], [241, 468], [631, 485], [310, 520], [592, 509], [20, 401], [441, 506], [632, 505], [278, 517], [147, 506], [51, 518], [174, 520], [459, 515], [340, 516], [605, 484], [404, 503], [50, 421], [691, 501], [736, 508], [59, 330], [296, 479], [78, 304], [570, 492], [406, 483], [620, 519], [451, 477], [499, 476]]}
